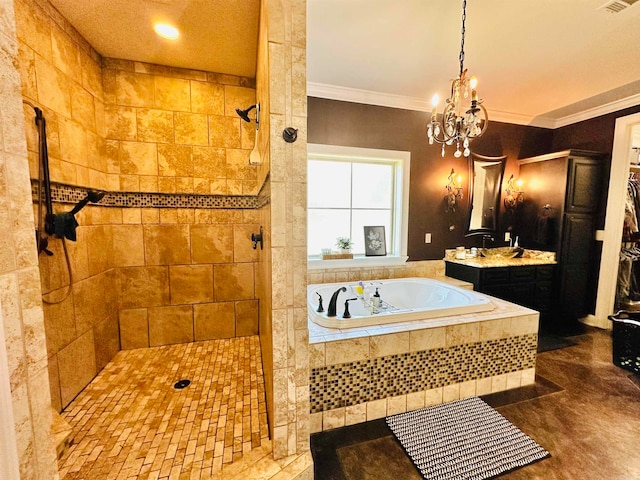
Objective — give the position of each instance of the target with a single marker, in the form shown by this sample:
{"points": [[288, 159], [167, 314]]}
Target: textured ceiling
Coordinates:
{"points": [[215, 35], [535, 59]]}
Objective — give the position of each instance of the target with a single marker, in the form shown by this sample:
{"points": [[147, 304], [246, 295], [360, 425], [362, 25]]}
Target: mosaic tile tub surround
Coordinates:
{"points": [[362, 374]]}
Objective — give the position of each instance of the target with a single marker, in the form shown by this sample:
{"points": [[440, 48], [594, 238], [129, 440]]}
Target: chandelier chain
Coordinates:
{"points": [[464, 17]]}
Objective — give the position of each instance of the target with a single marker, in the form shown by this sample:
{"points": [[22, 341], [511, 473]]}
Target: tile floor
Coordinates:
{"points": [[584, 410], [131, 423]]}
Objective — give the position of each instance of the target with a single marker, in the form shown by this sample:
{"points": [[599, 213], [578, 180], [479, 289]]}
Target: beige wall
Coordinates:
{"points": [[22, 317]]}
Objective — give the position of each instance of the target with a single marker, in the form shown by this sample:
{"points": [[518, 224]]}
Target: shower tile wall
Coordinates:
{"points": [[21, 319], [282, 270], [141, 276]]}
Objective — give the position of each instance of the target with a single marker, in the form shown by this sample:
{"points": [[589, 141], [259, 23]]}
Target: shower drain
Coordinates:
{"points": [[180, 384]]}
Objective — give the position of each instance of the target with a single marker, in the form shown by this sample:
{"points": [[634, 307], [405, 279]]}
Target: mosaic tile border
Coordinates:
{"points": [[61, 193], [352, 383]]}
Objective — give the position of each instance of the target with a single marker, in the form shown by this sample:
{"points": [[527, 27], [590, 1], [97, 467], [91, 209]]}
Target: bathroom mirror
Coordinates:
{"points": [[485, 181]]}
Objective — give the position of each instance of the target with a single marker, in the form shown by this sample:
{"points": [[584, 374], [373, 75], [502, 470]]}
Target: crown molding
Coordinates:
{"points": [[368, 97], [598, 111], [518, 119]]}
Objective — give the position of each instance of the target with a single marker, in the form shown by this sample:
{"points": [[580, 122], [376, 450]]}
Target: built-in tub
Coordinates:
{"points": [[402, 300]]}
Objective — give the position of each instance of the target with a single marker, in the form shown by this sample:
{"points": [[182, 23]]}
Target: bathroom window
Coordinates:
{"points": [[349, 188]]}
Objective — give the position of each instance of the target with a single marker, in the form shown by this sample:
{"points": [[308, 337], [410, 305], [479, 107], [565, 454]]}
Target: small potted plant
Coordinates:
{"points": [[344, 244]]}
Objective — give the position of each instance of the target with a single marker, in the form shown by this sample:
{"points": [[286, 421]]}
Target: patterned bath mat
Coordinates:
{"points": [[463, 440]]}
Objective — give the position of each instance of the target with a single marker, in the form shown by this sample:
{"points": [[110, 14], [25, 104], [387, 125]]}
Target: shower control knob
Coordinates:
{"points": [[290, 134]]}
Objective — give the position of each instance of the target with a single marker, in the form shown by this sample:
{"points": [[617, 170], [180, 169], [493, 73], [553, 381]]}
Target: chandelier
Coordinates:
{"points": [[459, 124]]}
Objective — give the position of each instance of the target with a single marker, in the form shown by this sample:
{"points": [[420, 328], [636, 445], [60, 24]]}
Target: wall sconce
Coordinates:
{"points": [[454, 190], [515, 194]]}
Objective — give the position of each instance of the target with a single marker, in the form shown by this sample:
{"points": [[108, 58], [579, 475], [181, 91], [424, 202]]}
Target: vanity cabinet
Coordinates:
{"points": [[528, 285], [562, 209]]}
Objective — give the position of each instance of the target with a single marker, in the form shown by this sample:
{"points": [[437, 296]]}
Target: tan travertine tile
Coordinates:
{"points": [[167, 244], [233, 282], [169, 325], [207, 98], [138, 158], [214, 320], [191, 128], [246, 318], [224, 131], [212, 243], [131, 423], [153, 126], [175, 161], [191, 284], [172, 93], [134, 328], [76, 364], [209, 162]]}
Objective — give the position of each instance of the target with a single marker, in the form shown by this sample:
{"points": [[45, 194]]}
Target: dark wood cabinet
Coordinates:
{"points": [[528, 285], [563, 208]]}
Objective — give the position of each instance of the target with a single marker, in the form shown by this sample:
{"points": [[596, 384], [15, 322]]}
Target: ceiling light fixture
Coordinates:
{"points": [[459, 126], [166, 31]]}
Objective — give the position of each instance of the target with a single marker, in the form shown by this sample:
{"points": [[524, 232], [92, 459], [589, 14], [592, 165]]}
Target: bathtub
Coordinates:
{"points": [[402, 300]]}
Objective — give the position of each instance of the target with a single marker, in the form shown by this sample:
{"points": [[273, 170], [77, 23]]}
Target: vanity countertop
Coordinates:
{"points": [[529, 257]]}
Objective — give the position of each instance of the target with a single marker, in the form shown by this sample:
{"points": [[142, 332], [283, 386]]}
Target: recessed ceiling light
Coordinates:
{"points": [[166, 31]]}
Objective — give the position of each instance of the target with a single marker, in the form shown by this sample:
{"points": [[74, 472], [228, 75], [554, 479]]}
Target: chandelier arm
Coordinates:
{"points": [[448, 110], [486, 120]]}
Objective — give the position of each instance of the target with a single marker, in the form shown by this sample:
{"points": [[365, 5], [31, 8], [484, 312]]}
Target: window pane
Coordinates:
{"points": [[362, 218], [372, 185], [329, 184], [324, 226]]}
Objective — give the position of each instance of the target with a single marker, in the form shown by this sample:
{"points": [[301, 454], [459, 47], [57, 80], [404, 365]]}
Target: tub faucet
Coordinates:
{"points": [[331, 311]]}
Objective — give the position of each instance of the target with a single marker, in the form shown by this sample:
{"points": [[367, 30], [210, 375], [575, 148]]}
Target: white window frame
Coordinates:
{"points": [[397, 252]]}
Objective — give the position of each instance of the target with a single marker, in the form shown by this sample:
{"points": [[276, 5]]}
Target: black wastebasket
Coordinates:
{"points": [[626, 340]]}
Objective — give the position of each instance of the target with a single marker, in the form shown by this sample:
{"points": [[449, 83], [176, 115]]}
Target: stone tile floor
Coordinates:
{"points": [[131, 423], [584, 410]]}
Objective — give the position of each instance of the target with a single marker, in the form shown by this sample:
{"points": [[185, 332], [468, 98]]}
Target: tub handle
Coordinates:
{"points": [[320, 307], [346, 313]]}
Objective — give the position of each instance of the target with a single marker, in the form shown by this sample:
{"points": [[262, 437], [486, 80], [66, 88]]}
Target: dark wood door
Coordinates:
{"points": [[577, 245], [584, 185]]}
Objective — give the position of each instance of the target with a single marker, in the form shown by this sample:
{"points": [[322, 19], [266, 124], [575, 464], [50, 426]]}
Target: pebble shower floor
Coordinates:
{"points": [[131, 423]]}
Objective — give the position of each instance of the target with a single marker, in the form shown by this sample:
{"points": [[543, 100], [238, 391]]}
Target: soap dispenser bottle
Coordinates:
{"points": [[376, 301]]}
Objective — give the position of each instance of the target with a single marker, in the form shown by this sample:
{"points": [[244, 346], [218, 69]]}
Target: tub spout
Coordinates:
{"points": [[331, 311]]}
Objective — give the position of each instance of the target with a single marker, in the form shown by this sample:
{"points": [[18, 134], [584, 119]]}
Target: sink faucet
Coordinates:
{"points": [[331, 311], [484, 239]]}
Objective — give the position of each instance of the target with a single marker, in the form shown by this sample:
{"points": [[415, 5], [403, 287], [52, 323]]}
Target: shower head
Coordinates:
{"points": [[95, 196], [244, 114]]}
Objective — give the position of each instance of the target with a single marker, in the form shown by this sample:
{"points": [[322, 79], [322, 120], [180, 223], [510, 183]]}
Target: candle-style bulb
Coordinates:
{"points": [[473, 83], [434, 106]]}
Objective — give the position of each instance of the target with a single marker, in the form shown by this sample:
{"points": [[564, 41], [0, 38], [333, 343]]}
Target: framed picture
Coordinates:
{"points": [[374, 242]]}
